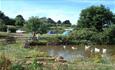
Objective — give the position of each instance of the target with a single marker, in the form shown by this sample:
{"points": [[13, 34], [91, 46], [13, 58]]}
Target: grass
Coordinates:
{"points": [[13, 57], [16, 51], [15, 54]]}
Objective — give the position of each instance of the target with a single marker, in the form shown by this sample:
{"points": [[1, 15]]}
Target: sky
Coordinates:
{"points": [[55, 9]]}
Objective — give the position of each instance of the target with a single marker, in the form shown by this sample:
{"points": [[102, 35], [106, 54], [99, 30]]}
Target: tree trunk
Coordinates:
{"points": [[34, 36]]}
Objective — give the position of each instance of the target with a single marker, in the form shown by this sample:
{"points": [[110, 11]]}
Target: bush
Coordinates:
{"points": [[12, 29], [10, 40], [40, 42], [35, 66], [4, 63], [3, 27], [17, 67], [82, 35], [87, 35]]}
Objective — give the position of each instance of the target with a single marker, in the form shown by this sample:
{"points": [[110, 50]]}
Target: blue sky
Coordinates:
{"points": [[55, 9]]}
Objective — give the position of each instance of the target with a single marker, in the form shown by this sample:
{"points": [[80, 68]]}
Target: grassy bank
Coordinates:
{"points": [[15, 57]]}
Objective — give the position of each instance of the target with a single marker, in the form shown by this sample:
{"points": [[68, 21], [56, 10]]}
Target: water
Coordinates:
{"points": [[71, 53]]}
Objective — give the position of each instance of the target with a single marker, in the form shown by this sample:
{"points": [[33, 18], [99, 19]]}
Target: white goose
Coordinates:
{"points": [[64, 46], [73, 48], [87, 47], [97, 50], [104, 50]]}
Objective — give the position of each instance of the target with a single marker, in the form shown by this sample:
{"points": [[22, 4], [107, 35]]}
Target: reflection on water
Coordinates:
{"points": [[74, 52]]}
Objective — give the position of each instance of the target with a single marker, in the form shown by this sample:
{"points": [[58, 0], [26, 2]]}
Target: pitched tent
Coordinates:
{"points": [[50, 32], [66, 33]]}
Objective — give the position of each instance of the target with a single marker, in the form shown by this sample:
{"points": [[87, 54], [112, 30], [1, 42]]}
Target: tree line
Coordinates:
{"points": [[95, 24], [20, 22]]}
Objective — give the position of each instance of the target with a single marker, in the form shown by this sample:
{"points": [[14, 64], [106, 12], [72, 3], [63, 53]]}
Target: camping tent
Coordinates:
{"points": [[51, 32], [66, 33]]}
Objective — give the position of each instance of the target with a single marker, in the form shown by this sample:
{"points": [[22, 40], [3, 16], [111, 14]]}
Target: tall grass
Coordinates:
{"points": [[12, 57]]}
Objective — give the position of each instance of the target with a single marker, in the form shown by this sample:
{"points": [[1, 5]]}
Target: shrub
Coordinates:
{"points": [[4, 63], [87, 35], [40, 42], [12, 29], [35, 65], [17, 67], [10, 40], [3, 27]]}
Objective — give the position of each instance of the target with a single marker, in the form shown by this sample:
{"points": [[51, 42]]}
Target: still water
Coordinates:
{"points": [[71, 53]]}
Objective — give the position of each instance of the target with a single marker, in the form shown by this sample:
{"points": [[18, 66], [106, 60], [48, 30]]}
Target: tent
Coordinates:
{"points": [[66, 33], [51, 32]]}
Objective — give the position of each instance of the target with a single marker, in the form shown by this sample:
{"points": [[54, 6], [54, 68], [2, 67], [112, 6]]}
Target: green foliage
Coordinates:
{"points": [[19, 20], [4, 62], [59, 22], [51, 21], [54, 38], [84, 34], [34, 24], [113, 19], [35, 65], [105, 37], [95, 17], [110, 34], [66, 23], [16, 66], [10, 40], [40, 42], [11, 21], [90, 35], [12, 29], [5, 18], [3, 27], [3, 35]]}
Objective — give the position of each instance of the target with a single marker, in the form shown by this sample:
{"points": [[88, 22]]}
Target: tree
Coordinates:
{"points": [[44, 19], [95, 17], [4, 18], [11, 21], [35, 25], [110, 32], [66, 22], [113, 19], [2, 15], [51, 21], [19, 20], [3, 27], [59, 22]]}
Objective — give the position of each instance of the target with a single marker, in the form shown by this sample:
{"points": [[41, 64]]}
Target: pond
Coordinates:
{"points": [[71, 53]]}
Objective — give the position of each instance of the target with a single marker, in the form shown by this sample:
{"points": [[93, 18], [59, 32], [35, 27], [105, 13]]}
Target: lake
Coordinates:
{"points": [[71, 53]]}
